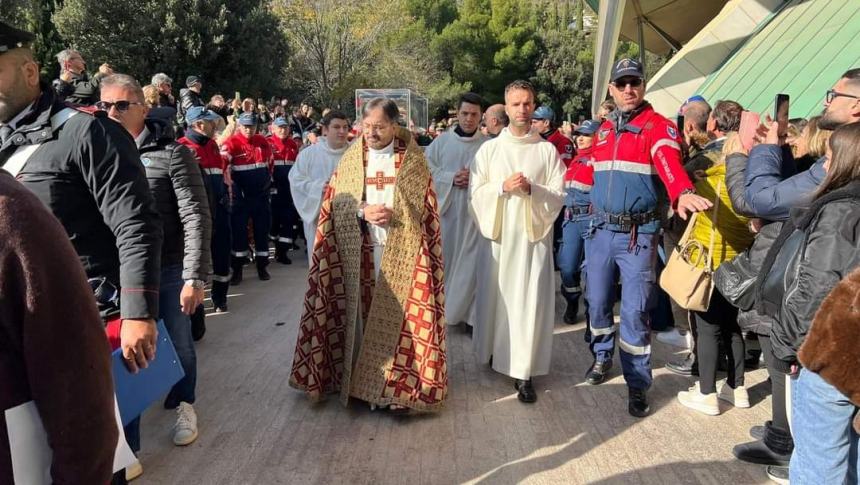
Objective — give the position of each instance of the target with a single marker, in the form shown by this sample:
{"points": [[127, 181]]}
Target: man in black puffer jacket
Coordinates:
{"points": [[190, 96], [176, 182]]}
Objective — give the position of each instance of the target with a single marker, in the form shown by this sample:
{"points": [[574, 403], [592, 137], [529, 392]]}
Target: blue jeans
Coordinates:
{"points": [[178, 327], [825, 443], [606, 251]]}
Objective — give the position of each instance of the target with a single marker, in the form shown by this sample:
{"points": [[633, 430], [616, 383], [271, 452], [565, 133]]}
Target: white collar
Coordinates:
{"points": [[389, 150]]}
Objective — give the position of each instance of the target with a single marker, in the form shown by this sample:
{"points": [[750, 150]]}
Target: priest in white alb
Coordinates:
{"points": [[517, 192], [450, 157], [313, 169]]}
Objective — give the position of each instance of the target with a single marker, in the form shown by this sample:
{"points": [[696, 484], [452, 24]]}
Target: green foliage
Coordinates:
{"points": [[564, 73], [234, 45]]}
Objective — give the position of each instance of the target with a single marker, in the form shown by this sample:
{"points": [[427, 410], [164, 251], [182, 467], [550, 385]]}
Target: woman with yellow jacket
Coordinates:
{"points": [[730, 235]]}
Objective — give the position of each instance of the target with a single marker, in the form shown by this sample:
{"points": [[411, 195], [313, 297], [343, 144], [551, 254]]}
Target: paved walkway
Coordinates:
{"points": [[255, 429]]}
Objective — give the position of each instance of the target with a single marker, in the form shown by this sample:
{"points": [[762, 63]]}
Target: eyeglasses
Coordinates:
{"points": [[833, 94], [119, 105], [621, 84]]}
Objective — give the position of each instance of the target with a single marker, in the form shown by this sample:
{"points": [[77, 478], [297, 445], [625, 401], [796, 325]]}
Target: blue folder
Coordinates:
{"points": [[135, 392]]}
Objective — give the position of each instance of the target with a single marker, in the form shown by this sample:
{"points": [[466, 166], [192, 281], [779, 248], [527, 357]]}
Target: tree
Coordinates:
{"points": [[232, 44], [564, 72]]}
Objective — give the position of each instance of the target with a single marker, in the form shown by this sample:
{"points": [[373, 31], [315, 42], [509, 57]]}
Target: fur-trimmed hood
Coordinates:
{"points": [[830, 348]]}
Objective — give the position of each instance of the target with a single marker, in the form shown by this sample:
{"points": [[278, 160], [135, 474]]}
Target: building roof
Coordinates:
{"points": [[802, 51]]}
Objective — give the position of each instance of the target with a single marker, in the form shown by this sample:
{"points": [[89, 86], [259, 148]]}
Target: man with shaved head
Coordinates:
{"points": [[495, 119]]}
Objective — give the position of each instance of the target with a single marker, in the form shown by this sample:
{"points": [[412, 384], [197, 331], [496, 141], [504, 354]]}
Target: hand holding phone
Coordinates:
{"points": [[747, 131]]}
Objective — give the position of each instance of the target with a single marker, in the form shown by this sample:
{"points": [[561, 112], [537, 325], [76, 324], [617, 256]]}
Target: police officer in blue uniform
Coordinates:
{"points": [[638, 174]]}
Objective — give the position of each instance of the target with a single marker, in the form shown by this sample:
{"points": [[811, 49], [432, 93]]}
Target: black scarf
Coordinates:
{"points": [[198, 138]]}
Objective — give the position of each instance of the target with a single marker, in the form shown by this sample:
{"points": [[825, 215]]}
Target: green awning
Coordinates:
{"points": [[801, 52]]}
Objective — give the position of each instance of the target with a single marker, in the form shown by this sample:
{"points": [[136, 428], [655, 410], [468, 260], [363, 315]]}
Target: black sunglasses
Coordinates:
{"points": [[621, 84], [833, 94], [119, 105]]}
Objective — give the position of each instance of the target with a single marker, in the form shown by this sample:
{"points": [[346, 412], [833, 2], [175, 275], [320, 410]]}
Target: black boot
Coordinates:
{"points": [[262, 262], [637, 403], [598, 372], [571, 312], [281, 249], [525, 391], [219, 295], [198, 323], [238, 264], [775, 449]]}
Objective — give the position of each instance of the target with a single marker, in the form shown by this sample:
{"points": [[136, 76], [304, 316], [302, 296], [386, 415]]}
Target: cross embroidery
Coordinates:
{"points": [[380, 180]]}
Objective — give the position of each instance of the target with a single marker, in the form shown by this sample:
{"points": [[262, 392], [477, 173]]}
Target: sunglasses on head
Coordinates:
{"points": [[119, 105], [622, 83]]}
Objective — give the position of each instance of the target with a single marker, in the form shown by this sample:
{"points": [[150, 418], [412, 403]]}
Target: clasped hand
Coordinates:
{"points": [[517, 182], [377, 214]]}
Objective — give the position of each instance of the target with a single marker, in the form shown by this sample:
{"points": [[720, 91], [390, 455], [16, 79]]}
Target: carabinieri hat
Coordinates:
{"points": [[12, 38]]}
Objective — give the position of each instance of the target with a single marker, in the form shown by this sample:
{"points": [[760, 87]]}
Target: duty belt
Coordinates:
{"points": [[284, 162], [570, 212], [628, 221], [251, 166]]}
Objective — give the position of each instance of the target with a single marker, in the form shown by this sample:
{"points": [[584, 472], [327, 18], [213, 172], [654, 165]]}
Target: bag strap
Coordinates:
{"points": [[687, 231], [710, 258]]}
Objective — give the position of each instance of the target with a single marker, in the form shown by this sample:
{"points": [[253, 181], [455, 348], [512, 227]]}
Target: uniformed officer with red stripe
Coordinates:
{"points": [[199, 138], [249, 157], [285, 218], [543, 121], [578, 180], [638, 172]]}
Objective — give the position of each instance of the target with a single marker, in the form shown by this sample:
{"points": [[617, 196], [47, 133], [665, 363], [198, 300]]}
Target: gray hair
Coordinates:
{"points": [[65, 55], [389, 108], [161, 78], [123, 81]]}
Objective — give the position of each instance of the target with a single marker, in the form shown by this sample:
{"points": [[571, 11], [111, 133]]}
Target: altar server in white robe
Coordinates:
{"points": [[313, 169], [517, 193], [450, 157]]}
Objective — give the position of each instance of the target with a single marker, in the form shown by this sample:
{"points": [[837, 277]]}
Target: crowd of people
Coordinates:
{"points": [[146, 200]]}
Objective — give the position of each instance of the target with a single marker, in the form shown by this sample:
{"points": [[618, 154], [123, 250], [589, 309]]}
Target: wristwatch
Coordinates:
{"points": [[196, 284], [688, 191]]}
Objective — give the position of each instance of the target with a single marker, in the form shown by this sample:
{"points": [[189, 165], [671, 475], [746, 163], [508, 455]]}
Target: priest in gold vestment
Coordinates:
{"points": [[373, 325]]}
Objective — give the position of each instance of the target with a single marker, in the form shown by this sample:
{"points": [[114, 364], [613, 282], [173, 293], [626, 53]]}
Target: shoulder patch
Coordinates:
{"points": [[601, 135], [671, 131], [146, 161], [648, 126], [568, 148]]}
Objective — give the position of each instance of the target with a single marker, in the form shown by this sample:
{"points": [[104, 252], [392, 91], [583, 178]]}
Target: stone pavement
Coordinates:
{"points": [[255, 429]]}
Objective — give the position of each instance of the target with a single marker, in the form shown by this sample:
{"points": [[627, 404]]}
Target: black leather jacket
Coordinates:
{"points": [[180, 196], [87, 171]]}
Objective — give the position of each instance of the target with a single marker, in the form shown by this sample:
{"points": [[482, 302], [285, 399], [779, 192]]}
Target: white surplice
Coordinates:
{"points": [[312, 170], [515, 307], [447, 155], [380, 176]]}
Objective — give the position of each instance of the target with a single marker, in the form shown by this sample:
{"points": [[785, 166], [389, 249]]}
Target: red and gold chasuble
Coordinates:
{"points": [[401, 357]]}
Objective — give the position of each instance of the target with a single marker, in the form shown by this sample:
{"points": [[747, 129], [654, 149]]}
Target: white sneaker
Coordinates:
{"points": [[738, 396], [704, 403], [133, 471], [674, 338], [185, 429]]}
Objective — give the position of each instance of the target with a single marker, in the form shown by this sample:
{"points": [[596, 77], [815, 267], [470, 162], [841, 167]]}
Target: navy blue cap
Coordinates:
{"points": [[248, 119], [281, 121], [12, 38], [627, 67], [543, 113], [192, 80], [197, 113], [588, 127]]}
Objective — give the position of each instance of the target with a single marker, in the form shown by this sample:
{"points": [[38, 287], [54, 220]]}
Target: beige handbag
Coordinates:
{"points": [[682, 278]]}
